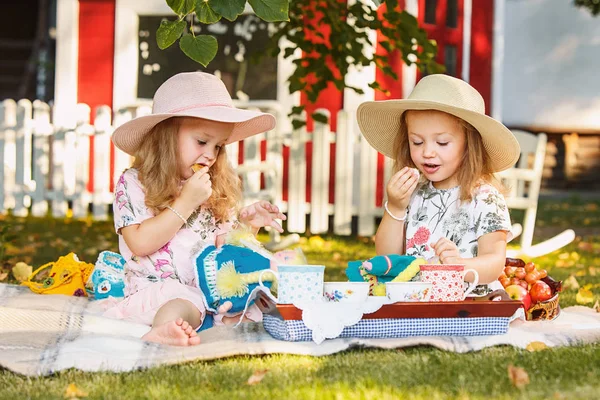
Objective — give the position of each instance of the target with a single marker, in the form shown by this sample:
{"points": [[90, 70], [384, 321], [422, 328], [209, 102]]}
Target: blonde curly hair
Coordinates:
{"points": [[157, 161]]}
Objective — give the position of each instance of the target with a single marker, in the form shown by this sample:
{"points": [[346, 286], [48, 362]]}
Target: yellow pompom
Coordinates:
{"points": [[229, 282], [410, 271], [379, 289], [241, 234]]}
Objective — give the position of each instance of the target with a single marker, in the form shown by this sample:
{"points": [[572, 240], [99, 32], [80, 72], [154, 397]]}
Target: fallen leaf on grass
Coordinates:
{"points": [[257, 376], [571, 283], [536, 346], [584, 296], [518, 376], [21, 271], [316, 242], [73, 392], [3, 276]]}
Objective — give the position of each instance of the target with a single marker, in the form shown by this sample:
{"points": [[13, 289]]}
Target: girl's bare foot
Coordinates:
{"points": [[175, 333]]}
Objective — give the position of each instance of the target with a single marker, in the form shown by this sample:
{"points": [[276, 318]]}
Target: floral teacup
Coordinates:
{"points": [[408, 291], [342, 292], [448, 281]]}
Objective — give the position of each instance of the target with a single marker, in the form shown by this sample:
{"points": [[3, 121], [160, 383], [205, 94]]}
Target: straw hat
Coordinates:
{"points": [[379, 121], [192, 94]]}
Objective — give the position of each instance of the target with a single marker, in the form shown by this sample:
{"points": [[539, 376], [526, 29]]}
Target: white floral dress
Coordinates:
{"points": [[435, 213]]}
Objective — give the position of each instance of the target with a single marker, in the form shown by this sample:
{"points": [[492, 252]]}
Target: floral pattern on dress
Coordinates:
{"points": [[441, 213], [171, 261], [435, 213]]}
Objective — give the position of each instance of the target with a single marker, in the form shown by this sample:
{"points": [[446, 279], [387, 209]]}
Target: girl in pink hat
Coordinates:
{"points": [[180, 192], [443, 201]]}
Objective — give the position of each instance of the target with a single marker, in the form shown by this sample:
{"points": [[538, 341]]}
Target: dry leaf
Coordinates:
{"points": [[518, 376], [585, 246], [21, 271], [536, 346], [570, 283], [73, 392], [3, 276], [597, 306], [257, 376], [584, 296]]}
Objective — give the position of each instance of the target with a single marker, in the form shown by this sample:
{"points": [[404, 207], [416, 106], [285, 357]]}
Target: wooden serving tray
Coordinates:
{"points": [[446, 309]]}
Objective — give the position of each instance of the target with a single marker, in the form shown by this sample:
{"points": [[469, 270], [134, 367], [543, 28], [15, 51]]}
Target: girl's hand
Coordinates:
{"points": [[447, 251], [261, 214], [197, 189], [400, 187]]}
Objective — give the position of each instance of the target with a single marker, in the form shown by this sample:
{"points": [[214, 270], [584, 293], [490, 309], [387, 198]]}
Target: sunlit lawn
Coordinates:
{"points": [[413, 373]]}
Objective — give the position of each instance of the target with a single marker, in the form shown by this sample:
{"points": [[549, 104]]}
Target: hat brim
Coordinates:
{"points": [[379, 122], [128, 136]]}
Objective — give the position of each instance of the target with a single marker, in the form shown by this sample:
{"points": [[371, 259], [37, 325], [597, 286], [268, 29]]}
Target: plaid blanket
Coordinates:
{"points": [[42, 334]]}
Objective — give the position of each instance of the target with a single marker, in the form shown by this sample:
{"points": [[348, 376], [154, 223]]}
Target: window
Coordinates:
{"points": [[450, 59], [430, 10], [452, 14], [240, 42]]}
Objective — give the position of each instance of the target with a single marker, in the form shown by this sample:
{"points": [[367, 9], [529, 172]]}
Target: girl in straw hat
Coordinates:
{"points": [[443, 201], [180, 191]]}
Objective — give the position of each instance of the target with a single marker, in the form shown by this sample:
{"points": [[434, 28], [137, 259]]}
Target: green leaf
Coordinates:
{"points": [[318, 117], [298, 123], [181, 6], [229, 9], [296, 85], [289, 51], [205, 13], [202, 48], [271, 10], [297, 109], [168, 32]]}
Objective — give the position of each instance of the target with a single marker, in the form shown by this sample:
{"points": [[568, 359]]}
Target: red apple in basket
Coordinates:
{"points": [[518, 292], [540, 291]]}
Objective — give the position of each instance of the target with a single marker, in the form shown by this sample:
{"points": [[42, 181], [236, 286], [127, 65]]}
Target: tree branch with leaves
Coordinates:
{"points": [[333, 36]]}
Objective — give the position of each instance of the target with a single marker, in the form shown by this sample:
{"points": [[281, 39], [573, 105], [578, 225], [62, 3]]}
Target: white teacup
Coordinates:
{"points": [[407, 291], [297, 282], [346, 292]]}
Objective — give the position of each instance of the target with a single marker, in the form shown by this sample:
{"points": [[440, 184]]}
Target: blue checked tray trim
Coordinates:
{"points": [[296, 331]]}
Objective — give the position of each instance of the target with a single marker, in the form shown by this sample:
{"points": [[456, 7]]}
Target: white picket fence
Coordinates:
{"points": [[44, 166]]}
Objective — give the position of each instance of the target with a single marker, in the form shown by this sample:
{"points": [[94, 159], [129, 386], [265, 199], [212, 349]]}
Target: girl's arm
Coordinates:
{"points": [[389, 238], [490, 260], [152, 234]]}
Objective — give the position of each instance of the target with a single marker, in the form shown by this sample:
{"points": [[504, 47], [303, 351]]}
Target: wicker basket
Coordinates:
{"points": [[544, 310]]}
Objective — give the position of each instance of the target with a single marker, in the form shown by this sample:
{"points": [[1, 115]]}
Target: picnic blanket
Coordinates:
{"points": [[43, 334]]}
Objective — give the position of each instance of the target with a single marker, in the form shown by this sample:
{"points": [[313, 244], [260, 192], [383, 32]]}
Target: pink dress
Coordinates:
{"points": [[167, 274]]}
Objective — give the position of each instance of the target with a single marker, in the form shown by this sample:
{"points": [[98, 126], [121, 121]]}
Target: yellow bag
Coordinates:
{"points": [[67, 276]]}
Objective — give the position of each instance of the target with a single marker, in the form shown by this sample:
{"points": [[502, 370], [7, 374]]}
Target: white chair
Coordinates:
{"points": [[524, 182]]}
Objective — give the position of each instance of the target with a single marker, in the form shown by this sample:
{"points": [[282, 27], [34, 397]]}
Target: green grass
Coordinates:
{"points": [[410, 373]]}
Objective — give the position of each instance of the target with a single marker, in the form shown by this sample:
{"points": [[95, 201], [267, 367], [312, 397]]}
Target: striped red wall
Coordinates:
{"points": [[96, 60], [482, 39]]}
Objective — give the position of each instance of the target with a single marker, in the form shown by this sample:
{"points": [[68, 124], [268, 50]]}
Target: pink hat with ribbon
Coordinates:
{"points": [[192, 94]]}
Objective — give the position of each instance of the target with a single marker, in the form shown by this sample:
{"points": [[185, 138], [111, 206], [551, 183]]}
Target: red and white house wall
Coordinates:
{"points": [[98, 45], [535, 63], [97, 48]]}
